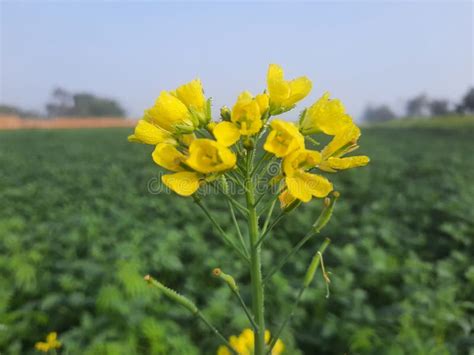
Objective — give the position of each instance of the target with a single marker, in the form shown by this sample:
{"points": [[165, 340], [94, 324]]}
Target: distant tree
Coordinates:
{"points": [[380, 113], [8, 110], [439, 107], [61, 103], [90, 105], [416, 106], [16, 111], [66, 104], [467, 102]]}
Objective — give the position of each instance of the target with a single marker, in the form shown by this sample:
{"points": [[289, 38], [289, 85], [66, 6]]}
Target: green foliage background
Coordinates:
{"points": [[79, 229]]}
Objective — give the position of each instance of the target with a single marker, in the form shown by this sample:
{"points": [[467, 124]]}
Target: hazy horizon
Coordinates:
{"points": [[361, 52]]}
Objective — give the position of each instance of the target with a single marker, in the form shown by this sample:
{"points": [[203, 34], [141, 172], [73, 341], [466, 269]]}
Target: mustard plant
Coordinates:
{"points": [[233, 155]]}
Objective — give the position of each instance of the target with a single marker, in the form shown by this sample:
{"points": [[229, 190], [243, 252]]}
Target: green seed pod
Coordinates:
{"points": [[308, 278], [227, 278], [172, 294], [326, 214]]}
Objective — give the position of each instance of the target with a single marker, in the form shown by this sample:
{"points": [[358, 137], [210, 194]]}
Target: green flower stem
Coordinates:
{"points": [[237, 228], [223, 234], [320, 223], [265, 169], [266, 231], [237, 181], [255, 262], [259, 199], [284, 260], [229, 280], [186, 303], [242, 209], [273, 198], [246, 310], [312, 140], [264, 157], [269, 216], [315, 262]]}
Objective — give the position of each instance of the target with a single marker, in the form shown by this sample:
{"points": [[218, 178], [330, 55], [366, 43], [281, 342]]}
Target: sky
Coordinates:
{"points": [[361, 52]]}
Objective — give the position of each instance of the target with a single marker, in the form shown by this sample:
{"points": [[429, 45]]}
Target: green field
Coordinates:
{"points": [[79, 228]]}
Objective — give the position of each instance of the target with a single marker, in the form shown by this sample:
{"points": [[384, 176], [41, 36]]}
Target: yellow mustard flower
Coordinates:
{"points": [[184, 183], [169, 157], [246, 119], [283, 139], [192, 95], [208, 156], [149, 133], [301, 184], [326, 116], [171, 114], [51, 343], [244, 344], [285, 94], [343, 142]]}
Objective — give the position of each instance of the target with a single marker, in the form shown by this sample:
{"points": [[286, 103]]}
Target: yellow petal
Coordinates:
{"points": [[148, 133], [278, 88], [170, 113], [263, 102], [348, 163], [41, 346], [211, 125], [299, 89], [168, 157], [302, 159], [208, 156], [247, 338], [187, 139], [267, 336], [192, 95], [283, 139], [304, 186], [286, 199], [184, 183], [246, 114], [327, 116], [223, 350], [133, 139], [285, 93], [226, 133], [343, 142], [51, 337], [278, 348]]}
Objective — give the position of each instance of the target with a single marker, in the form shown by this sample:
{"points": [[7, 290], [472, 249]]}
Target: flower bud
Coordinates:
{"points": [[248, 143], [326, 213], [225, 113]]}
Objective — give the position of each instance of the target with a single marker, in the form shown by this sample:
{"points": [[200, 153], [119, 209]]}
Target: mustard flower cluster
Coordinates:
{"points": [[244, 344], [197, 151], [51, 343]]}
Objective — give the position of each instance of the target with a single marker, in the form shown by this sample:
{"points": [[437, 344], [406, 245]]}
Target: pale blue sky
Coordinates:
{"points": [[359, 51]]}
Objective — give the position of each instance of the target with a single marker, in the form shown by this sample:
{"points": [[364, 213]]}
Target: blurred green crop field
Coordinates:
{"points": [[80, 224]]}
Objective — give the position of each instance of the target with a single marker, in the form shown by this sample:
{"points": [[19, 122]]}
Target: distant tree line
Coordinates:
{"points": [[10, 110], [422, 106], [66, 104]]}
